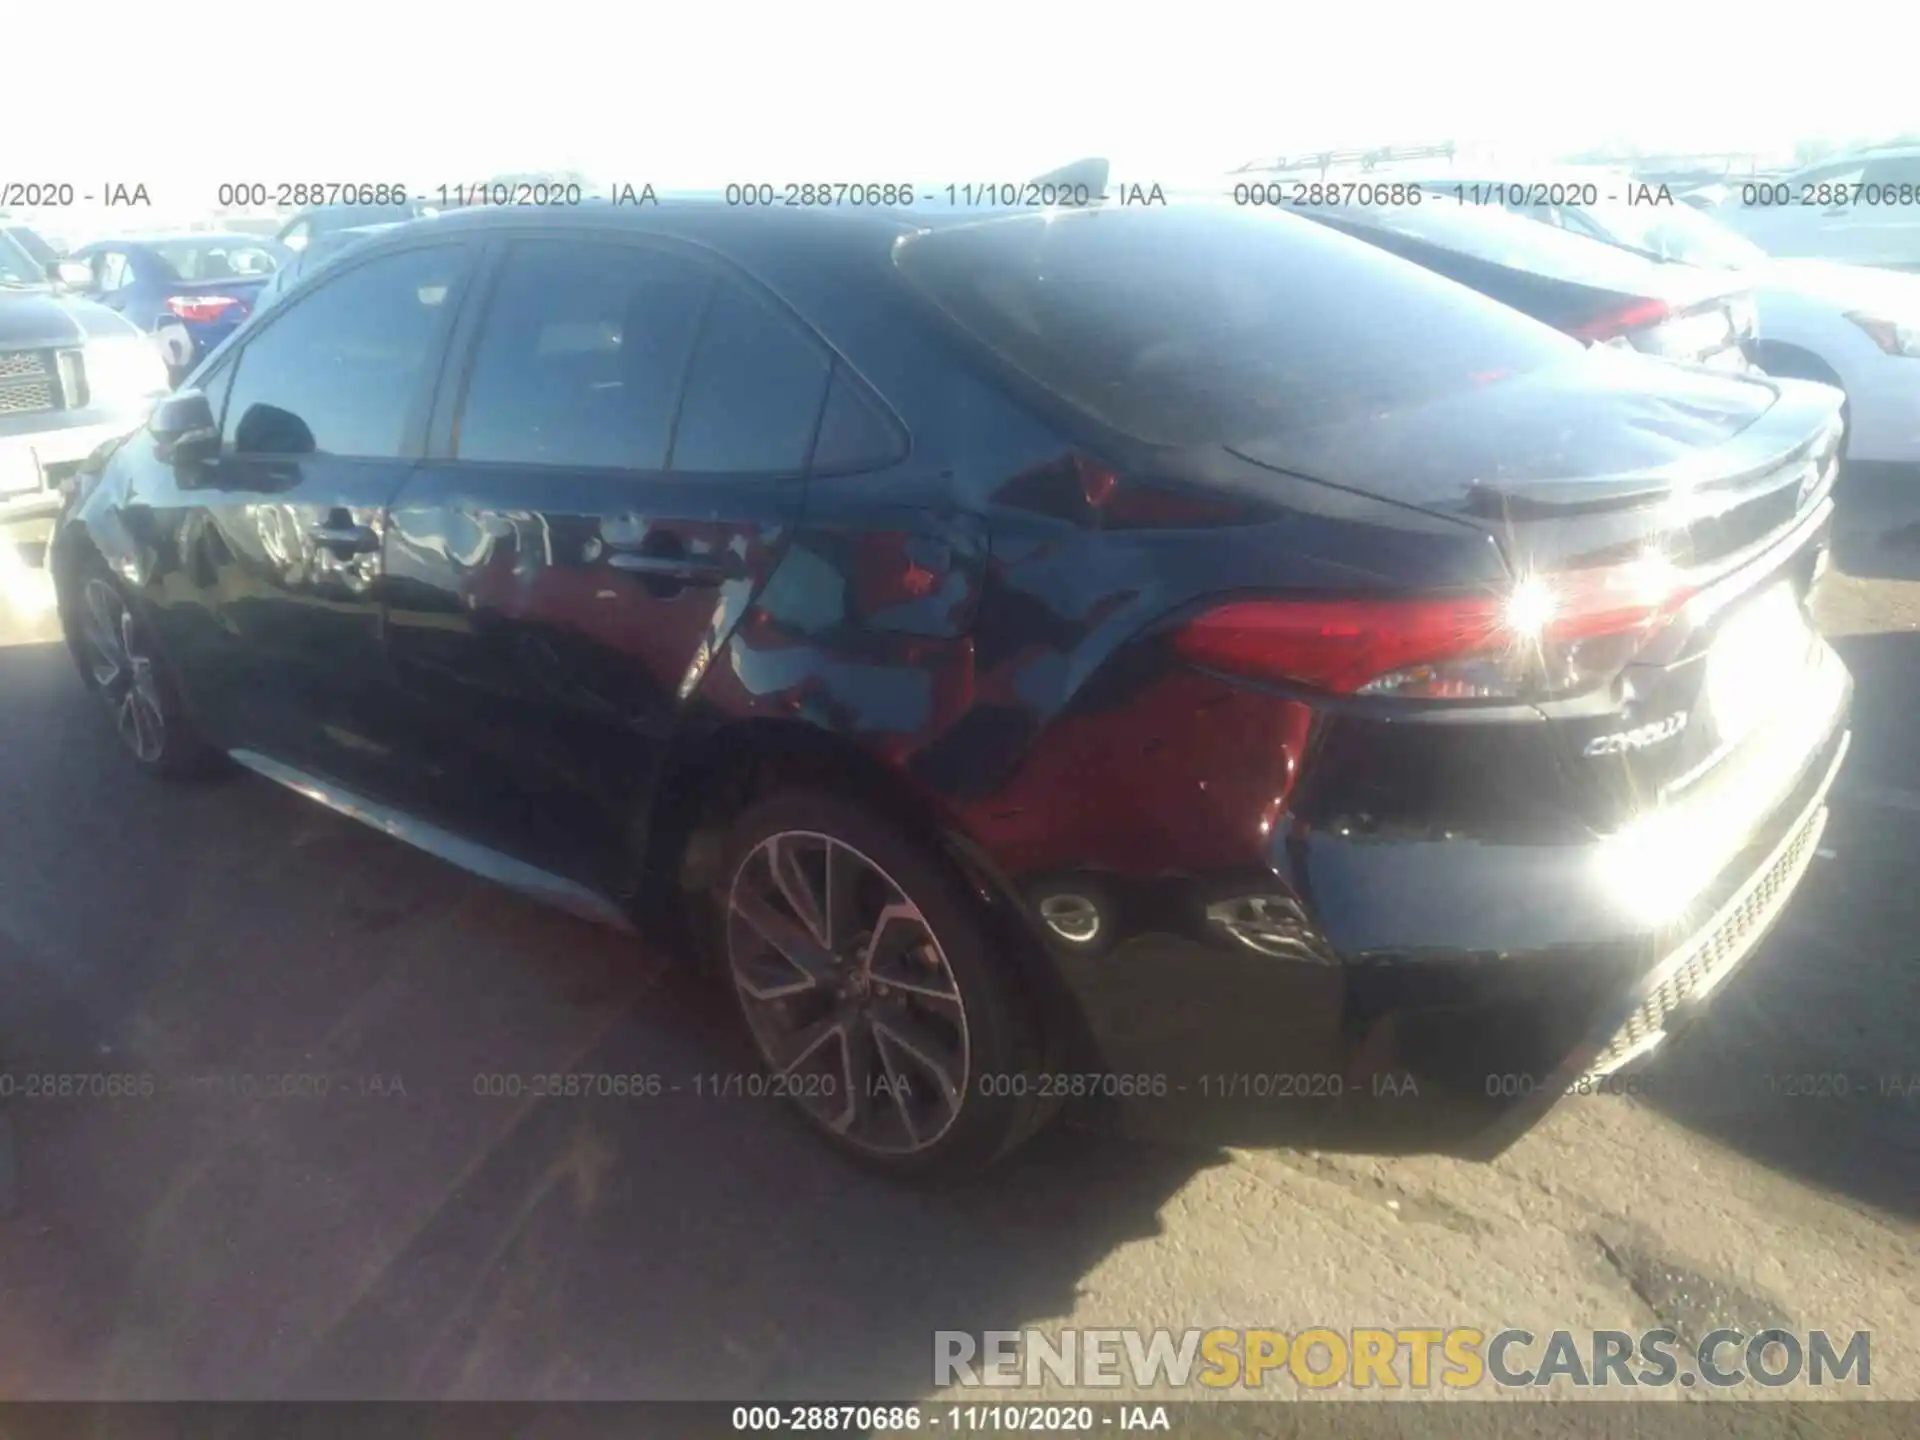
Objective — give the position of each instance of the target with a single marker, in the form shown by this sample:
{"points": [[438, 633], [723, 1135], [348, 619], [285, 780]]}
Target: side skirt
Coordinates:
{"points": [[481, 860]]}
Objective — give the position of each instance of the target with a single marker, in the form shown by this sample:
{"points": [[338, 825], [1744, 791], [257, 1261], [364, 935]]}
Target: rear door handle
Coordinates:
{"points": [[687, 569], [353, 539]]}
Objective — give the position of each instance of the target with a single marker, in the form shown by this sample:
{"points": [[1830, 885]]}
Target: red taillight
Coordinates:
{"points": [[1337, 645], [1546, 635], [1637, 316], [202, 308], [1096, 482]]}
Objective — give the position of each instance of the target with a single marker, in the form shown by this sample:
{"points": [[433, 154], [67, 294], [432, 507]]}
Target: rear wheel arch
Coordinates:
{"points": [[709, 781], [1795, 362]]}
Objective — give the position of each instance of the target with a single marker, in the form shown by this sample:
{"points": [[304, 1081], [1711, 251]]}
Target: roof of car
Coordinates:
{"points": [[694, 215], [1899, 150], [180, 237]]}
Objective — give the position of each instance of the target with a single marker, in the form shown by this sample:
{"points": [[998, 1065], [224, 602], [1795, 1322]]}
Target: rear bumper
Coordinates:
{"points": [[1265, 1024]]}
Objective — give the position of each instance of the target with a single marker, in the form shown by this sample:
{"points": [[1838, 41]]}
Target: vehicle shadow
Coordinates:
{"points": [[237, 1231], [1806, 1060]]}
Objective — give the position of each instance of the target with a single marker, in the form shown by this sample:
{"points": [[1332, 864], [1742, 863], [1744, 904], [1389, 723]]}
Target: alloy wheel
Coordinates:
{"points": [[122, 670], [848, 992]]}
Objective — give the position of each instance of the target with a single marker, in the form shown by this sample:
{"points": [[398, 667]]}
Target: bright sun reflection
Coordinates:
{"points": [[23, 589], [1531, 606], [1657, 865]]}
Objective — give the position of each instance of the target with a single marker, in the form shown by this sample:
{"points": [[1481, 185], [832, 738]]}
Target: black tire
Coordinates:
{"points": [[999, 1106], [135, 684]]}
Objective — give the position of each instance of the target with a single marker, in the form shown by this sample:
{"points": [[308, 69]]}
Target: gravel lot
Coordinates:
{"points": [[404, 1237]]}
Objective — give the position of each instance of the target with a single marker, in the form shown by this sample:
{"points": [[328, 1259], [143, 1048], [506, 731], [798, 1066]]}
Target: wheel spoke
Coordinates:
{"points": [[145, 685], [131, 720], [918, 971], [840, 975], [810, 965], [831, 1028], [895, 928], [843, 871], [101, 630], [857, 1046], [922, 991], [897, 1088], [149, 722], [796, 888], [921, 1049]]}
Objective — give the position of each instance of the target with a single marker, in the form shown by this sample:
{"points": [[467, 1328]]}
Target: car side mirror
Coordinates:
{"points": [[183, 428], [73, 274]]}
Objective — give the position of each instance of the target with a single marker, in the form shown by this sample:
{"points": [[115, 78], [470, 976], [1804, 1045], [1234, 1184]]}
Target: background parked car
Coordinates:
{"points": [[324, 219], [72, 373], [267, 225], [1853, 326], [1591, 291], [1863, 209], [192, 290]]}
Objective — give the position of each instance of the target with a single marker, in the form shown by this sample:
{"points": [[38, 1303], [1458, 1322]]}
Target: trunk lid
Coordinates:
{"points": [[1594, 464]]}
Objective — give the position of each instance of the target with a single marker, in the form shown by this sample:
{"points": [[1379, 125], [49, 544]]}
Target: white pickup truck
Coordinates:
{"points": [[72, 374]]}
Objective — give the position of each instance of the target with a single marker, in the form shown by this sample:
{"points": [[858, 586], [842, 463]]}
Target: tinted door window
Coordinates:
{"points": [[215, 387], [582, 357], [112, 271], [855, 432], [754, 396], [336, 371]]}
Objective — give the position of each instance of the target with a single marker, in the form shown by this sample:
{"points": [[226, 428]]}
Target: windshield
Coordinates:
{"points": [[217, 259], [27, 240], [1677, 232], [17, 267], [1206, 325]]}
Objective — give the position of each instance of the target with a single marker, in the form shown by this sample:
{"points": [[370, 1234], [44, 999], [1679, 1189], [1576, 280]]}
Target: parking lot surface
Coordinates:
{"points": [[403, 1235]]}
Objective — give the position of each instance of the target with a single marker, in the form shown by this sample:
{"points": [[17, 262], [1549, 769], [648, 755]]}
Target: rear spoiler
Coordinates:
{"points": [[1088, 175], [1326, 160], [1091, 172]]}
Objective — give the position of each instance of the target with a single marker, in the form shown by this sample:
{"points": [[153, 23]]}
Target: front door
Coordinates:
{"points": [[621, 468], [323, 415]]}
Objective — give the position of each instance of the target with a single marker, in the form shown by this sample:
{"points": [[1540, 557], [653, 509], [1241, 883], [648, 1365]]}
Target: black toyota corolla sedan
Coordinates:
{"points": [[1190, 668]]}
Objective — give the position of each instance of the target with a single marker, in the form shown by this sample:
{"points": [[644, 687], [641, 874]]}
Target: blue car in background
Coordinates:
{"points": [[192, 290]]}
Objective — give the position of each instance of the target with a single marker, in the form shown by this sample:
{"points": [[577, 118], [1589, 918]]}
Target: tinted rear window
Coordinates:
{"points": [[216, 259], [1202, 325]]}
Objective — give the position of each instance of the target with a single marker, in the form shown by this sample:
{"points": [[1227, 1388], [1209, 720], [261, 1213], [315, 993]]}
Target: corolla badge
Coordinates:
{"points": [[1622, 742]]}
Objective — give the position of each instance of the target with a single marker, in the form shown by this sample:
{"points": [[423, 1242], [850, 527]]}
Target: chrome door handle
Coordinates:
{"points": [[355, 539]]}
